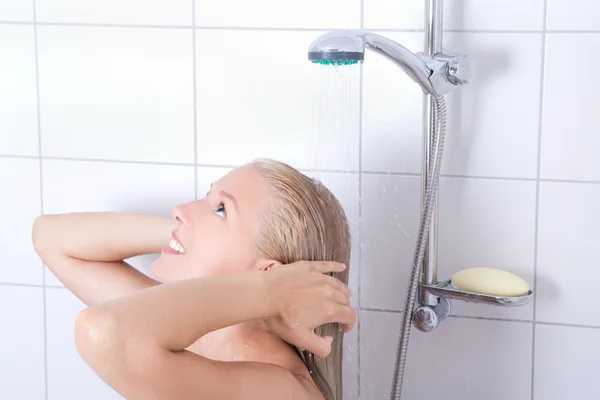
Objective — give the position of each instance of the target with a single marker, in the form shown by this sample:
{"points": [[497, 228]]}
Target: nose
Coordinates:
{"points": [[179, 214]]}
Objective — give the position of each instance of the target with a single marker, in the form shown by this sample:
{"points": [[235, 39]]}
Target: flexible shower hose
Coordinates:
{"points": [[439, 129]]}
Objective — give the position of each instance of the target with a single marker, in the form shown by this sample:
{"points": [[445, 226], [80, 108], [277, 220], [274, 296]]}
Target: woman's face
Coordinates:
{"points": [[216, 235]]}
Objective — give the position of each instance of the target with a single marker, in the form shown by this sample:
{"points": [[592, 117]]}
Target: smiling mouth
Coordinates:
{"points": [[175, 245]]}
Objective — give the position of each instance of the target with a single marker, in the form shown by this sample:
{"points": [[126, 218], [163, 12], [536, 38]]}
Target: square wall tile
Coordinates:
{"points": [[567, 273], [255, 103], [22, 343], [569, 118], [16, 10], [79, 186], [389, 224], [394, 14], [573, 15], [116, 93], [506, 15], [18, 93], [141, 12], [458, 14], [392, 126], [568, 370], [330, 14], [487, 223], [480, 139], [461, 359], [19, 206], [493, 122], [69, 377]]}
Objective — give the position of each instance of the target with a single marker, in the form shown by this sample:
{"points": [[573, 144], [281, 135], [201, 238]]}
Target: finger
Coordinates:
{"points": [[329, 266], [319, 346], [337, 284], [345, 315], [345, 328], [338, 296]]}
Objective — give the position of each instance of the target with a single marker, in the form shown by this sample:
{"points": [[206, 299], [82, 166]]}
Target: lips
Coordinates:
{"points": [[174, 246]]}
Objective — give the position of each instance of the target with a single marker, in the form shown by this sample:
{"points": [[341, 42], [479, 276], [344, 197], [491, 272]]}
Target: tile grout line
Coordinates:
{"points": [[297, 29], [334, 171], [195, 104], [537, 196], [360, 204], [39, 126]]}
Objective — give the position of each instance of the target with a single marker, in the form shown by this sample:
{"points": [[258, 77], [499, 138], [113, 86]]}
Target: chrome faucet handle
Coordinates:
{"points": [[449, 71], [460, 69], [426, 318]]}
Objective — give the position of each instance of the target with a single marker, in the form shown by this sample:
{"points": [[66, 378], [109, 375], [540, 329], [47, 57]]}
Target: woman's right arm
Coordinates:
{"points": [[86, 251]]}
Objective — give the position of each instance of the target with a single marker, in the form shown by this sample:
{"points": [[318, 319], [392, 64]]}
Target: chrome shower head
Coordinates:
{"points": [[435, 74], [337, 48]]}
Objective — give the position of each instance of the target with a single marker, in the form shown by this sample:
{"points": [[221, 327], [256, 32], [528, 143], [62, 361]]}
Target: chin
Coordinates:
{"points": [[159, 271]]}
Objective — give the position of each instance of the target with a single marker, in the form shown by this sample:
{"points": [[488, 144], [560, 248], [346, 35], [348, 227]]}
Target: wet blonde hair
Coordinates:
{"points": [[305, 221]]}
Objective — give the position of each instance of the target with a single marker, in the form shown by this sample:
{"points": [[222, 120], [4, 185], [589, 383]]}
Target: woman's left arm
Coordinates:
{"points": [[137, 343]]}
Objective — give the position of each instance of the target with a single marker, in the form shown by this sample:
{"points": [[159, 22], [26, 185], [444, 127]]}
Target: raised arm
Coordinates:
{"points": [[86, 251], [137, 343]]}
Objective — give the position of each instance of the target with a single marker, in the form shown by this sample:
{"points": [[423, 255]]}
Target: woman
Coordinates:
{"points": [[250, 300]]}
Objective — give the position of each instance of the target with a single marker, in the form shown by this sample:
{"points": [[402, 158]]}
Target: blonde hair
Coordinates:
{"points": [[305, 221]]}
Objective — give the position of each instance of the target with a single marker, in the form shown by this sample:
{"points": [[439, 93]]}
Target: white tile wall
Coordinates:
{"points": [[19, 205], [567, 371], [69, 377], [268, 108], [579, 15], [18, 100], [569, 120], [389, 224], [128, 88], [140, 12], [391, 124], [16, 10], [22, 343], [487, 223], [462, 359], [93, 106], [522, 15], [569, 229], [329, 14]]}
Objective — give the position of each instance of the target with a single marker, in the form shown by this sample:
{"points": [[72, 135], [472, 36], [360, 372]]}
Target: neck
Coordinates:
{"points": [[248, 341]]}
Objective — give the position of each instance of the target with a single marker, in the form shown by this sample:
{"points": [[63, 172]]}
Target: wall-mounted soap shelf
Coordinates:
{"points": [[426, 318], [447, 289]]}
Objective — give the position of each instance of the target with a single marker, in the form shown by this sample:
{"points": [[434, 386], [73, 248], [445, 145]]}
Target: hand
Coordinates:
{"points": [[304, 298]]}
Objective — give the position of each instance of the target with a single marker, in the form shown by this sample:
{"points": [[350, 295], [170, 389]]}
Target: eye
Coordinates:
{"points": [[221, 210]]}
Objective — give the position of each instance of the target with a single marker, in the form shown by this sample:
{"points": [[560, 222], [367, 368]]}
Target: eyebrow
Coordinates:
{"points": [[230, 197]]}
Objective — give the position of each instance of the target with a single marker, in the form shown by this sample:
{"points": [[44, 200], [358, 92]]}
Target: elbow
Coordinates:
{"points": [[111, 350], [97, 337], [41, 234]]}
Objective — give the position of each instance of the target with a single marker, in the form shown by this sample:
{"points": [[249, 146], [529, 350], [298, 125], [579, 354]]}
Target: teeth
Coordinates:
{"points": [[176, 246]]}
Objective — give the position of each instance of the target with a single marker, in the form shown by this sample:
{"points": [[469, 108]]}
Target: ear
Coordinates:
{"points": [[267, 265]]}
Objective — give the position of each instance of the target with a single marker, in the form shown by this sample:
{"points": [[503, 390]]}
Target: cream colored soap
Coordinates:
{"points": [[491, 281]]}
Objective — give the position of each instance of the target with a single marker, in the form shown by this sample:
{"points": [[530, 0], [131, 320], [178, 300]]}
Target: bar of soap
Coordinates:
{"points": [[490, 281]]}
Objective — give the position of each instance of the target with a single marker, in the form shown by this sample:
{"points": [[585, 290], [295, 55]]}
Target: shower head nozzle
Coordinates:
{"points": [[337, 48]]}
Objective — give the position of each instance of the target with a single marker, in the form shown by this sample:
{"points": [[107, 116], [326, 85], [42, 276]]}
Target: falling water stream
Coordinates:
{"points": [[334, 144]]}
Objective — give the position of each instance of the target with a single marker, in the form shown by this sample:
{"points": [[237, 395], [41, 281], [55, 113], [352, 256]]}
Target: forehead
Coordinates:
{"points": [[247, 187]]}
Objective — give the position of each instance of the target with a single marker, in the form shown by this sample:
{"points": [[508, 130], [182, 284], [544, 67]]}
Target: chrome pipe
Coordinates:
{"points": [[434, 15]]}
